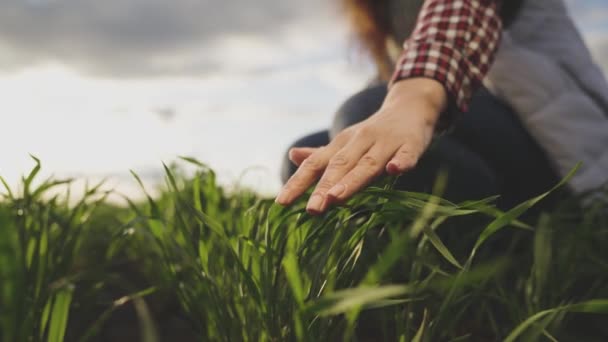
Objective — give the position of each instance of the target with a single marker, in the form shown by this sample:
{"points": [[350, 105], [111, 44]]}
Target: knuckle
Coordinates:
{"points": [[294, 184], [355, 177], [317, 193], [369, 161], [350, 130], [313, 164], [359, 177], [288, 187], [364, 133], [339, 161], [322, 187], [405, 153], [343, 136]]}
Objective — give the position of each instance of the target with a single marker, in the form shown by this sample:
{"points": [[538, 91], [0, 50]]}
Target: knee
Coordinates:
{"points": [[358, 108], [469, 177]]}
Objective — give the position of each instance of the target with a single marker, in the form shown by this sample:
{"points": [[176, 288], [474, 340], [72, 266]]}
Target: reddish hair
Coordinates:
{"points": [[370, 25]]}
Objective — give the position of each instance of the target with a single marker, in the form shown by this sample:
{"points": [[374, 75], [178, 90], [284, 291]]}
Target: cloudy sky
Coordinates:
{"points": [[95, 88]]}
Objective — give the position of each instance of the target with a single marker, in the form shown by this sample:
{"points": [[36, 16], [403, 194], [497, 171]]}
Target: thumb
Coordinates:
{"points": [[298, 154]]}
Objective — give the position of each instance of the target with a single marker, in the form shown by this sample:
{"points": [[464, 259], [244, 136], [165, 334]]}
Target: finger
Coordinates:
{"points": [[404, 160], [298, 154], [370, 166], [339, 165], [309, 171]]}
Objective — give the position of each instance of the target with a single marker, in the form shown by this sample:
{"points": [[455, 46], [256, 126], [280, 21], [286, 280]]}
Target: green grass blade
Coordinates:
{"points": [[49, 184], [28, 180], [153, 206], [60, 314], [46, 313], [440, 246], [147, 327], [514, 213], [292, 271], [342, 301], [420, 333], [171, 178], [7, 188], [596, 306], [296, 283], [543, 255], [94, 329], [194, 162]]}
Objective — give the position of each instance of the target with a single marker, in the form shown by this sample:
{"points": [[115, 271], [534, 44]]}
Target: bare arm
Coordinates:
{"points": [[443, 62]]}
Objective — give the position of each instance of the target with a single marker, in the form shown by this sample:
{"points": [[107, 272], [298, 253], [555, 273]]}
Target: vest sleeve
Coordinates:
{"points": [[454, 42]]}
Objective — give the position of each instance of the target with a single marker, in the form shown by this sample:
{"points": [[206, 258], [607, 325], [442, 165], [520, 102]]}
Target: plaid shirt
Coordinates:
{"points": [[454, 42]]}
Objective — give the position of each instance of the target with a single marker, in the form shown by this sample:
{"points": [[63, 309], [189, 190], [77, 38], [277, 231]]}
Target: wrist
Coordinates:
{"points": [[427, 92]]}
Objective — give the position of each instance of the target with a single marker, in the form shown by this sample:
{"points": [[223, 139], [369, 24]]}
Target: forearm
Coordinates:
{"points": [[454, 44]]}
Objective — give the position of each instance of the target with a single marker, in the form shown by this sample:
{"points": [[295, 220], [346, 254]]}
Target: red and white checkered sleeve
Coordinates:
{"points": [[454, 42]]}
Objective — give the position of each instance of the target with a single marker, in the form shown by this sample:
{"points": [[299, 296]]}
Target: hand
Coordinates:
{"points": [[392, 139]]}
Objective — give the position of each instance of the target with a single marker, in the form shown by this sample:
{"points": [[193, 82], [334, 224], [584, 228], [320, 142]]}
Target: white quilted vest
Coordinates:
{"points": [[544, 71]]}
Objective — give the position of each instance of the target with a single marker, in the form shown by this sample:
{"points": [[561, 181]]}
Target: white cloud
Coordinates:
{"points": [[147, 38], [264, 86]]}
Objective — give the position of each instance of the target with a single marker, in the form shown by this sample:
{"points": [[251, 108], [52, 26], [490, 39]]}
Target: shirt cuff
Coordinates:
{"points": [[443, 63]]}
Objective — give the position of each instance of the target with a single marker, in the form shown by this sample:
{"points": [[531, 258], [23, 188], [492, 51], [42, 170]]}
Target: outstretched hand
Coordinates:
{"points": [[391, 140]]}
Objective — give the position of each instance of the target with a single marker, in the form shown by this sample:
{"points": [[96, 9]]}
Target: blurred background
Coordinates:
{"points": [[95, 88]]}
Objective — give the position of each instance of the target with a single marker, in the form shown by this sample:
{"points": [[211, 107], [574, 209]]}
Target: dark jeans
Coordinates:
{"points": [[488, 152]]}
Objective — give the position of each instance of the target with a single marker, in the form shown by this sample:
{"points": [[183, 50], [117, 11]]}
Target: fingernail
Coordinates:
{"points": [[393, 167], [337, 190], [282, 198], [315, 203]]}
